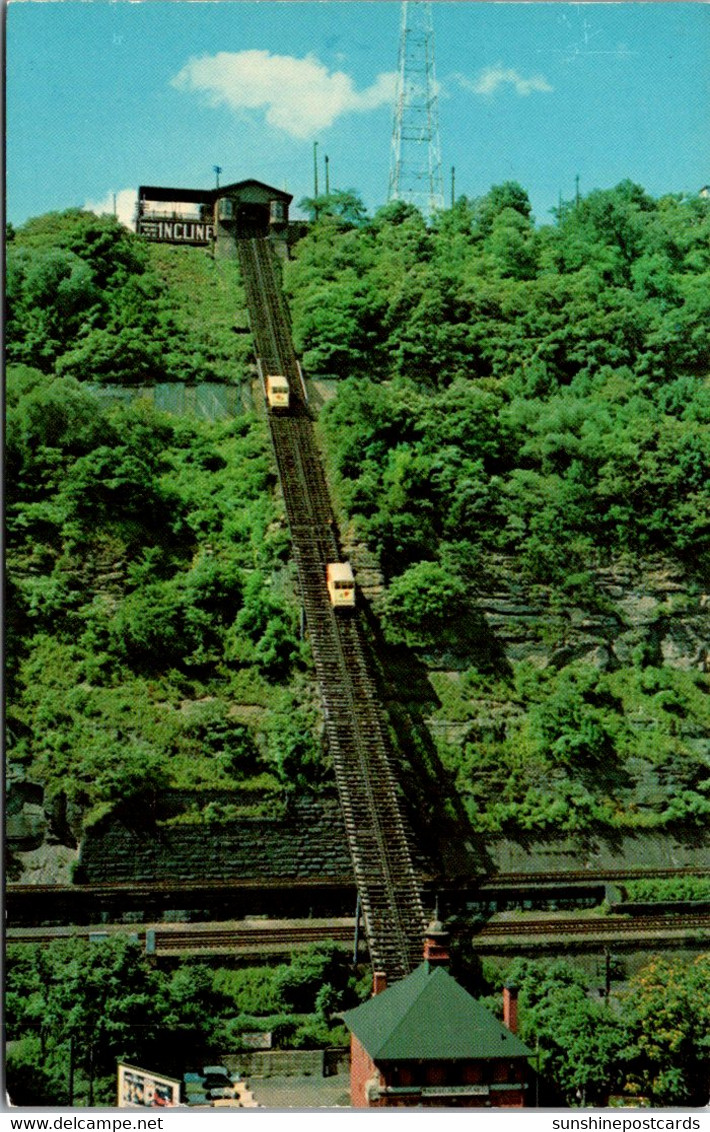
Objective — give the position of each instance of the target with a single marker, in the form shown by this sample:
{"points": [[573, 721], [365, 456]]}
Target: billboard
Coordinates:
{"points": [[140, 1088]]}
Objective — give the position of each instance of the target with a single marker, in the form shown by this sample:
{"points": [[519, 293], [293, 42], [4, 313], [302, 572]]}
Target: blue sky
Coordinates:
{"points": [[103, 96]]}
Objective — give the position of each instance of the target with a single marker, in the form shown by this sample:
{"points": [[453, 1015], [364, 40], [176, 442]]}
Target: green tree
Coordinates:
{"points": [[293, 747], [264, 631], [669, 1006], [581, 1042], [425, 607], [114, 357], [343, 205], [100, 996], [302, 984], [96, 1003]]}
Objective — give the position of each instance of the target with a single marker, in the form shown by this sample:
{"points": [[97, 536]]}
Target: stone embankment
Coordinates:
{"points": [[308, 840]]}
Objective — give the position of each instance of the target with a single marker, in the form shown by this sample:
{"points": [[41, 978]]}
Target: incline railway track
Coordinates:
{"points": [[357, 731]]}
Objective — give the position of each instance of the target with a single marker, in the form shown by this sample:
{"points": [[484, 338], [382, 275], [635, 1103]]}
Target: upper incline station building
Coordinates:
{"points": [[213, 217]]}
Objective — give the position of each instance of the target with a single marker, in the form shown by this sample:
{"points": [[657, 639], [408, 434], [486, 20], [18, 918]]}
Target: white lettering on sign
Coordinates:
{"points": [[175, 232], [455, 1091]]}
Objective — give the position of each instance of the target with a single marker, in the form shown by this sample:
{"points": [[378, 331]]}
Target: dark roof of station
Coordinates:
{"points": [[161, 192], [251, 181], [429, 1017], [204, 196]]}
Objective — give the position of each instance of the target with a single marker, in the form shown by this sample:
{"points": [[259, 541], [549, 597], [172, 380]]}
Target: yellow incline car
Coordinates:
{"points": [[341, 584], [277, 391]]}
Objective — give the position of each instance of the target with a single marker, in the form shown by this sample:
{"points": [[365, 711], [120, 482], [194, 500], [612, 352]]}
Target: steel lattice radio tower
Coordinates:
{"points": [[415, 161]]}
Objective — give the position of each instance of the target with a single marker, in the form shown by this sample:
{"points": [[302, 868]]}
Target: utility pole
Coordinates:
{"points": [[415, 159], [356, 939], [576, 191], [217, 171], [453, 185], [71, 1071], [91, 1073], [327, 179]]}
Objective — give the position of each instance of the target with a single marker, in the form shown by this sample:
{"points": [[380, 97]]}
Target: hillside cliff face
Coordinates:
{"points": [[645, 607], [563, 711], [150, 559], [635, 612], [634, 609]]}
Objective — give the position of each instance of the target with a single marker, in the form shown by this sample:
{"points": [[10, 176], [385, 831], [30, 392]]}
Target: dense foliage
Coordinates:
{"points": [[88, 299], [92, 1004], [547, 389], [527, 400], [659, 890], [150, 593], [578, 747], [647, 1043], [509, 394]]}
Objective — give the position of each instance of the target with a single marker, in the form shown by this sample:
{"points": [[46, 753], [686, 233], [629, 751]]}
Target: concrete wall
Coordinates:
{"points": [[286, 1062], [210, 401]]}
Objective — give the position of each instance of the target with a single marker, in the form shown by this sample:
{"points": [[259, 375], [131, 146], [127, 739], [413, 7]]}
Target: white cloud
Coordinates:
{"points": [[125, 206], [490, 79], [299, 96]]}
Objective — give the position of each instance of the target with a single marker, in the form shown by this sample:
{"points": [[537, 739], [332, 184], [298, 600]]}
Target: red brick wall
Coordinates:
{"points": [[510, 1009], [362, 1070], [512, 1098]]}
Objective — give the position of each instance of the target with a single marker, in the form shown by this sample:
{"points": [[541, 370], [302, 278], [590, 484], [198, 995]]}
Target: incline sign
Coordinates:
{"points": [[176, 231]]}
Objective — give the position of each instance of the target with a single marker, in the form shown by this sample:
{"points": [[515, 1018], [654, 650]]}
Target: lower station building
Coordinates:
{"points": [[213, 217], [426, 1041]]}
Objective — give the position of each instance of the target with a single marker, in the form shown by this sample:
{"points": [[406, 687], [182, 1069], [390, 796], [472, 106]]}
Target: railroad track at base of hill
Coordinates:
{"points": [[492, 883], [248, 943], [267, 938], [591, 876], [280, 937], [495, 935], [582, 926]]}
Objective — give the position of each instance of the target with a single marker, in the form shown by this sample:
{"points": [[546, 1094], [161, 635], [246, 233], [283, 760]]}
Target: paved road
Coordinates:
{"points": [[302, 1092]]}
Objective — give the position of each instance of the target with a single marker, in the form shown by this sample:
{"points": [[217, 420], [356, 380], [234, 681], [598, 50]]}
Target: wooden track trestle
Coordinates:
{"points": [[355, 722]]}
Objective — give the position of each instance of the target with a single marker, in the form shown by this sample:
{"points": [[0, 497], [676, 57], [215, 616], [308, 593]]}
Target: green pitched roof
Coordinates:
{"points": [[429, 1016]]}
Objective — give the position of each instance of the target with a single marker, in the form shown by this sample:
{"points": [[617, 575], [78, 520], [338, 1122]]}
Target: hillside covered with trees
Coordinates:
{"points": [[528, 400], [510, 398], [85, 298], [507, 393], [148, 579]]}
